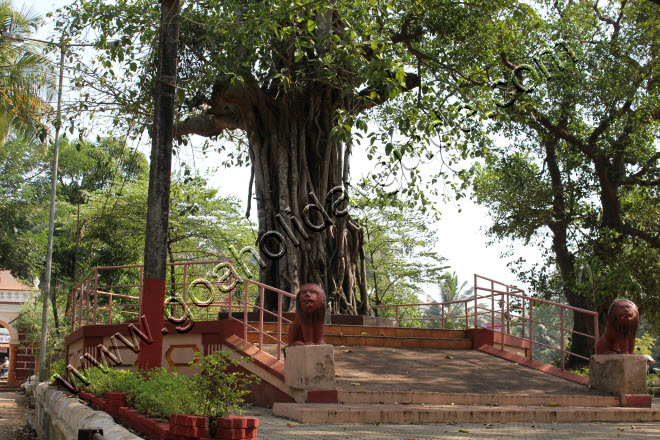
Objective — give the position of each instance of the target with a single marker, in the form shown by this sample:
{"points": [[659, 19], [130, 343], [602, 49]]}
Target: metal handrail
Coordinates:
{"points": [[506, 312], [507, 303], [87, 309], [87, 293]]}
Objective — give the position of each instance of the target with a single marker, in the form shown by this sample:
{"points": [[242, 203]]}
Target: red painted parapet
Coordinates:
{"points": [[621, 330], [307, 328]]}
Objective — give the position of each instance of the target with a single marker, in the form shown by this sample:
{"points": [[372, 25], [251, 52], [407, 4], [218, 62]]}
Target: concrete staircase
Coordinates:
{"points": [[379, 336], [410, 376]]}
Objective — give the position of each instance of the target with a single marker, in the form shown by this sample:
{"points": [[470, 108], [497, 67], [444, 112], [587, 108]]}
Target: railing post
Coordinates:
{"points": [[75, 306], [261, 317], [502, 314], [83, 286], [245, 313], [88, 301], [231, 295], [279, 325], [508, 312], [492, 306], [523, 318], [442, 313], [110, 309], [185, 283], [467, 318], [396, 308], [96, 291], [476, 323], [141, 286], [531, 329], [561, 335]]}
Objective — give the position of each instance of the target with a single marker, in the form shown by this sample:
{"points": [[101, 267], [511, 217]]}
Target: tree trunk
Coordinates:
{"points": [[301, 172], [582, 323]]}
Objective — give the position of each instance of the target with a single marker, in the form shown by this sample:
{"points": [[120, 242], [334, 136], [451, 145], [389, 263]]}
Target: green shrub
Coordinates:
{"points": [[214, 392], [218, 391], [58, 367], [160, 393], [582, 371], [105, 380], [652, 384]]}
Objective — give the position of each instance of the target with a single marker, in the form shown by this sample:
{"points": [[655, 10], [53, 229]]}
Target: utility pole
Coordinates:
{"points": [[43, 367], [10, 36], [152, 298]]}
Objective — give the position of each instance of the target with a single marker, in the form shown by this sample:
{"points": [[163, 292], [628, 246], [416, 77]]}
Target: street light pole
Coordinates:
{"points": [[43, 369]]}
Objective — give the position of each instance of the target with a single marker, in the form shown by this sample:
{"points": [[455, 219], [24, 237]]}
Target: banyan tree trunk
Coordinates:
{"points": [[306, 234]]}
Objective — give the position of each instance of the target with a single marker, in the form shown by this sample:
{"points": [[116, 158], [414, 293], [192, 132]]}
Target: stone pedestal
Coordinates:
{"points": [[310, 367], [619, 374]]}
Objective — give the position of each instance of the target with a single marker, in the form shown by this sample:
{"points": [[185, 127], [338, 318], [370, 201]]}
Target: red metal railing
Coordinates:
{"points": [[514, 310], [112, 294], [262, 288]]}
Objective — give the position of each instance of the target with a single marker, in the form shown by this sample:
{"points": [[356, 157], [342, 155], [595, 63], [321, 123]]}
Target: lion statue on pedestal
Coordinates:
{"points": [[308, 325], [621, 330]]}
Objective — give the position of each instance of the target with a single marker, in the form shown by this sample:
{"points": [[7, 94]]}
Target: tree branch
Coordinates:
{"points": [[634, 179], [605, 123], [207, 125], [653, 240], [563, 133], [365, 103]]}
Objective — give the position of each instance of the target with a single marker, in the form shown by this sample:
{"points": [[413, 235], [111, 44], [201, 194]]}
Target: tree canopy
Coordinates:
{"points": [[583, 166], [291, 84], [25, 83]]}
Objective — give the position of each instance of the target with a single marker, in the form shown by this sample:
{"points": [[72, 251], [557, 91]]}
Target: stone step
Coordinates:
{"points": [[355, 330], [320, 413], [408, 342], [383, 341], [428, 398]]}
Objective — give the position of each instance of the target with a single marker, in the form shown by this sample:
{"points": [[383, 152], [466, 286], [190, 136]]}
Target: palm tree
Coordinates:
{"points": [[25, 85], [450, 291]]}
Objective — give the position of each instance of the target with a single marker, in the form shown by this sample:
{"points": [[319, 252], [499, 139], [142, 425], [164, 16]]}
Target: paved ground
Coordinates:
{"points": [[274, 428], [13, 415], [445, 371]]}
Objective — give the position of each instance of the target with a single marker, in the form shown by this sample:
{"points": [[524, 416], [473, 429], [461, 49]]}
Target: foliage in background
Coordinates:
{"points": [[454, 315], [100, 220], [580, 173], [399, 253], [287, 87], [25, 80]]}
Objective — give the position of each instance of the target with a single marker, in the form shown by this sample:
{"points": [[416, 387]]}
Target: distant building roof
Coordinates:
{"points": [[8, 282]]}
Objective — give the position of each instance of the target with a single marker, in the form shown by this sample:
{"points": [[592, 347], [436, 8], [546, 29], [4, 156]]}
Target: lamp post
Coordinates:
{"points": [[43, 370]]}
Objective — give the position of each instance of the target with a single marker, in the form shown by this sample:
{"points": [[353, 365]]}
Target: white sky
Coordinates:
{"points": [[462, 239]]}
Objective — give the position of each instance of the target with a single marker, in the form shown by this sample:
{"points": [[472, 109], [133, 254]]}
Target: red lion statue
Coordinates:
{"points": [[621, 330], [307, 327]]}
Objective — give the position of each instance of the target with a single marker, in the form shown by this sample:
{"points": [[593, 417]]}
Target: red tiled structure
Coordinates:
{"points": [[13, 294]]}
